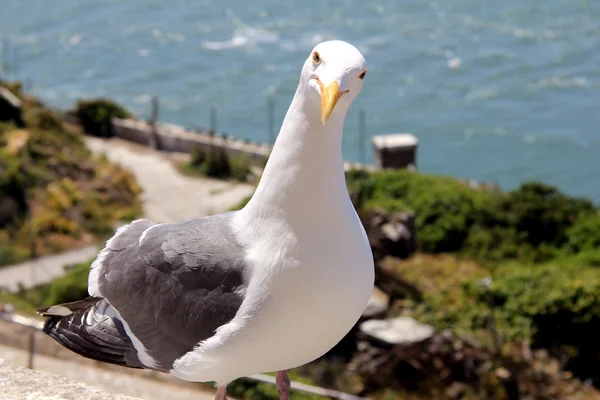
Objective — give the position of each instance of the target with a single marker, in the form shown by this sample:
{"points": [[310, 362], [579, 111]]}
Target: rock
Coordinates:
{"points": [[392, 235], [17, 383], [10, 107], [455, 390], [391, 232], [502, 373], [397, 331], [377, 305]]}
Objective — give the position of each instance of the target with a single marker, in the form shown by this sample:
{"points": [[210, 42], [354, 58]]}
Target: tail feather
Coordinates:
{"points": [[91, 328]]}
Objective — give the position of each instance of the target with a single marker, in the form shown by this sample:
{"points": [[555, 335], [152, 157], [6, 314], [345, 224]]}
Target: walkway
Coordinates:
{"points": [[44, 269], [168, 197]]}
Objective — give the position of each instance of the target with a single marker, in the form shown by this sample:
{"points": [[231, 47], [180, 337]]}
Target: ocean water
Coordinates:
{"points": [[501, 92]]}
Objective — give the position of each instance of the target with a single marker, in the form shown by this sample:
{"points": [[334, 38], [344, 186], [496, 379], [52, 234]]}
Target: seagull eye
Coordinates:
{"points": [[362, 75], [316, 57]]}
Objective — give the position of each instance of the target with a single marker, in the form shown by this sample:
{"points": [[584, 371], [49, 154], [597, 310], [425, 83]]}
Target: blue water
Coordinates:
{"points": [[500, 91]]}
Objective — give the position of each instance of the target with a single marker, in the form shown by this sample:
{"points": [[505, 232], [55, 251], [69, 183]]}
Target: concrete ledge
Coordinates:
{"points": [[176, 138], [17, 383]]}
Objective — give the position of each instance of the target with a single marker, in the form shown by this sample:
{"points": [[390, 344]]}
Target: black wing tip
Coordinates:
{"points": [[49, 325], [75, 338]]}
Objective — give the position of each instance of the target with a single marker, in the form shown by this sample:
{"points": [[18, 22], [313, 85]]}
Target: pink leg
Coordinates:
{"points": [[283, 385], [221, 393]]}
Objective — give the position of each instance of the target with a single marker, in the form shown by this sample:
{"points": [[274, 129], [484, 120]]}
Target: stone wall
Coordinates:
{"points": [[178, 139], [17, 383]]}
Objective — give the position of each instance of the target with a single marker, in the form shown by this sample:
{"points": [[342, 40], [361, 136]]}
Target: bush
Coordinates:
{"points": [[52, 187], [542, 213], [445, 208], [584, 236], [44, 119], [531, 224], [71, 287], [219, 164], [555, 306], [10, 254], [95, 115]]}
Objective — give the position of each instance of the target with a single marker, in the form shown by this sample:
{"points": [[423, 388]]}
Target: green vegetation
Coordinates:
{"points": [[219, 164], [95, 115], [539, 247], [54, 194], [533, 223]]}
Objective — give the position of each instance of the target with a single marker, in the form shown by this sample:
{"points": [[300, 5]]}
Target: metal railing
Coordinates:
{"points": [[35, 326]]}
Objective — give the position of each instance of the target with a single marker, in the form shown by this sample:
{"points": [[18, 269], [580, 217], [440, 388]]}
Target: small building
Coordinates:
{"points": [[395, 151]]}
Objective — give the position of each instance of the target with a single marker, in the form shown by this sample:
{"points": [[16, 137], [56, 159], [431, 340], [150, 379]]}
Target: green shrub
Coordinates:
{"points": [[240, 167], [51, 180], [43, 118], [10, 254], [95, 115], [445, 208], [218, 164], [544, 303], [71, 287], [6, 127], [584, 235], [542, 213], [532, 223]]}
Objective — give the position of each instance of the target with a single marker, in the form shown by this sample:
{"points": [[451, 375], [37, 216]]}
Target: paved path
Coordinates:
{"points": [[169, 196], [44, 269], [110, 381]]}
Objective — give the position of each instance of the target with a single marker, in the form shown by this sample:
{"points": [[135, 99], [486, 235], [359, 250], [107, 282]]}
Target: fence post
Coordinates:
{"points": [[154, 140], [213, 119], [31, 348]]}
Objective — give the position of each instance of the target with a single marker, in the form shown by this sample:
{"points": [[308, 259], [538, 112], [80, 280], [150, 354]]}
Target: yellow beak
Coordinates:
{"points": [[329, 97]]}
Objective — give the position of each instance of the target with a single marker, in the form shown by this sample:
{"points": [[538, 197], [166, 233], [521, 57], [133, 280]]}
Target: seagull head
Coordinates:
{"points": [[334, 72]]}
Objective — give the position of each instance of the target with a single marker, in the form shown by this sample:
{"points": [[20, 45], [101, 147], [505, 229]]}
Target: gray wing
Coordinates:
{"points": [[173, 285]]}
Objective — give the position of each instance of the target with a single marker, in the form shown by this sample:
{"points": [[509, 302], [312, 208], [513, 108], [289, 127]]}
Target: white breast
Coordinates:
{"points": [[298, 306]]}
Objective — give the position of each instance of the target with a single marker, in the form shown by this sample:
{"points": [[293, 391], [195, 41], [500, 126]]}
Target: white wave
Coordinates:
{"points": [[482, 94], [246, 36], [454, 63], [377, 41], [524, 33], [176, 37], [496, 131], [305, 42], [558, 82], [75, 40]]}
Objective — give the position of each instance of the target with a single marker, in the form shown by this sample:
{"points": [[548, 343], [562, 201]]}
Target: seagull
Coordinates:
{"points": [[267, 288]]}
